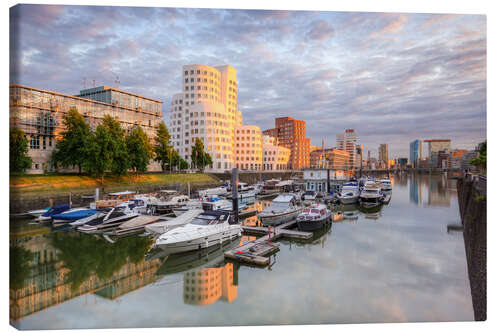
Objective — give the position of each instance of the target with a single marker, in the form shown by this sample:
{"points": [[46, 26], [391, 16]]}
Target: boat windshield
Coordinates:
{"points": [[278, 206], [208, 219], [371, 190]]}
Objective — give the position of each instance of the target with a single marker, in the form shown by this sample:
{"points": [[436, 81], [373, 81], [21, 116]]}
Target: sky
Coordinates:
{"points": [[392, 77]]}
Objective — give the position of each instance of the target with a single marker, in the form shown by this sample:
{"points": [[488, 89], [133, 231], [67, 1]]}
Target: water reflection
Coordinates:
{"points": [[435, 187], [421, 276], [50, 268]]}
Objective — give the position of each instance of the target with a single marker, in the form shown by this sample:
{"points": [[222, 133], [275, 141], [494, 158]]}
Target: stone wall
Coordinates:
{"points": [[472, 203]]}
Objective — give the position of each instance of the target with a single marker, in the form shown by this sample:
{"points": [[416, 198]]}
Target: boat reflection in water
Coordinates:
{"points": [[206, 277]]}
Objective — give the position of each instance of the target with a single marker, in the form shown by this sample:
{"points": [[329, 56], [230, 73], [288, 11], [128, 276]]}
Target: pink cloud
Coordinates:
{"points": [[392, 26]]}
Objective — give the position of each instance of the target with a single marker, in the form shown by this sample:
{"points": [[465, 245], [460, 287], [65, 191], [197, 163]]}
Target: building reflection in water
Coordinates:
{"points": [[207, 285], [437, 188], [44, 280]]}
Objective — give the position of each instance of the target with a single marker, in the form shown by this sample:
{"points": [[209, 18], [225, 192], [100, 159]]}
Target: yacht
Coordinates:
{"points": [[349, 193], [37, 212], [220, 190], [371, 195], [386, 184], [207, 229], [244, 191], [113, 218], [314, 217], [73, 215], [113, 199], [310, 195], [270, 187], [162, 227], [284, 208], [177, 201], [52, 211], [218, 204]]}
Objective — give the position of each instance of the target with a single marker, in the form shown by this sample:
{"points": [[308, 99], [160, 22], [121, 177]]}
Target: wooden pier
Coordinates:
{"points": [[256, 252]]}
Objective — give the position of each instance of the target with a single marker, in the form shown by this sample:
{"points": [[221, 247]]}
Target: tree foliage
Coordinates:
{"points": [[198, 155], [480, 161], [120, 159], [162, 149], [70, 150], [99, 152], [18, 151], [139, 149]]}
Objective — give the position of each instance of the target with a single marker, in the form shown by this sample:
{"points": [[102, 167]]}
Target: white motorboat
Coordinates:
{"points": [[313, 217], [221, 204], [220, 190], [371, 194], [188, 206], [207, 229], [283, 208], [386, 184], [113, 218], [244, 191], [310, 195], [134, 225], [162, 227], [162, 207], [349, 193], [37, 212]]}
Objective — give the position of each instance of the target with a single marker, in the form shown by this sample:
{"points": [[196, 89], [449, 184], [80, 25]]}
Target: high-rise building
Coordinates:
{"points": [[291, 133], [383, 154], [359, 156], [206, 109], [415, 152], [347, 141], [39, 113], [436, 145]]}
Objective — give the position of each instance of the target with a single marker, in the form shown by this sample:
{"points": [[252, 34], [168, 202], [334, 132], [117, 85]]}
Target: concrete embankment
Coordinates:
{"points": [[472, 203], [255, 177]]}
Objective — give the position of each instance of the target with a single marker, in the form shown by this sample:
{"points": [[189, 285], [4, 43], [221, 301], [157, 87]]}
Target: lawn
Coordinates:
{"points": [[30, 185]]}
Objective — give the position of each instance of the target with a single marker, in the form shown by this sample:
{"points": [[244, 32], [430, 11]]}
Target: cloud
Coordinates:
{"points": [[320, 30], [321, 67]]}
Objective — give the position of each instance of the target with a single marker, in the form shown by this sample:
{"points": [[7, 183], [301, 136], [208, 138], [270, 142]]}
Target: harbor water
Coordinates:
{"points": [[403, 262]]}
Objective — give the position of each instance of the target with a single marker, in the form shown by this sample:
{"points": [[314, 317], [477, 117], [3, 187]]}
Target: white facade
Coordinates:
{"points": [[248, 147], [206, 109], [274, 157]]}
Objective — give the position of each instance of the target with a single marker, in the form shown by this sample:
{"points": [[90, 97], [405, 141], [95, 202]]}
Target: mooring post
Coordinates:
{"points": [[96, 195], [234, 183], [70, 203], [328, 181]]}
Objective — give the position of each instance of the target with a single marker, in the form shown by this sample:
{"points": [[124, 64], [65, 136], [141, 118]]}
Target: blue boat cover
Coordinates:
{"points": [[56, 210], [73, 216]]}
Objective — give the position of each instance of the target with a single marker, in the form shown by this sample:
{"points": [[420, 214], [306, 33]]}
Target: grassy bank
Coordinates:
{"points": [[45, 185]]}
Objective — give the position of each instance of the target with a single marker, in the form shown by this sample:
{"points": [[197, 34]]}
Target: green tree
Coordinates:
{"points": [[178, 161], [198, 155], [139, 149], [18, 151], [99, 152], [480, 161], [70, 150], [162, 148], [120, 163]]}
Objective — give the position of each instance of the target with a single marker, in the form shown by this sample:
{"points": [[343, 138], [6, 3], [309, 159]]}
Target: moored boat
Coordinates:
{"points": [[371, 195], [73, 215], [113, 218], [52, 211], [349, 193], [386, 184], [283, 208], [162, 227], [313, 217], [113, 199], [207, 229]]}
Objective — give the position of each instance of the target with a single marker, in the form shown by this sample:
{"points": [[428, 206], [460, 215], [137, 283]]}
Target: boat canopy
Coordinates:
{"points": [[56, 210], [284, 198]]}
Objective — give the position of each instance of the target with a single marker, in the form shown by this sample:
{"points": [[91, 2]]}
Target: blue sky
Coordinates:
{"points": [[392, 77]]}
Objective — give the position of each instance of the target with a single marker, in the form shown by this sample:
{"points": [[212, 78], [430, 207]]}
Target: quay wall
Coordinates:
{"points": [[19, 204], [472, 205]]}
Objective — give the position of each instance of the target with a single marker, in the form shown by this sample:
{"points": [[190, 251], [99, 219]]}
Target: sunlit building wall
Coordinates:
{"points": [[207, 109], [248, 147]]}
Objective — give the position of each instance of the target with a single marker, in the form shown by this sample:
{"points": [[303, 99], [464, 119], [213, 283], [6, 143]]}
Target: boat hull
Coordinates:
{"points": [[201, 242], [311, 225], [349, 200], [279, 218]]}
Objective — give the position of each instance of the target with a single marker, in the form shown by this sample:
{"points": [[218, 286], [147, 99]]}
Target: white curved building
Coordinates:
{"points": [[248, 147], [206, 109]]}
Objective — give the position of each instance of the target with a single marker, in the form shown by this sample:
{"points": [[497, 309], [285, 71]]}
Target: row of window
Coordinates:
{"points": [[35, 142], [199, 72]]}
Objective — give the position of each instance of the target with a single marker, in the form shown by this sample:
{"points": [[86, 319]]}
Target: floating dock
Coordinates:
{"points": [[257, 252]]}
